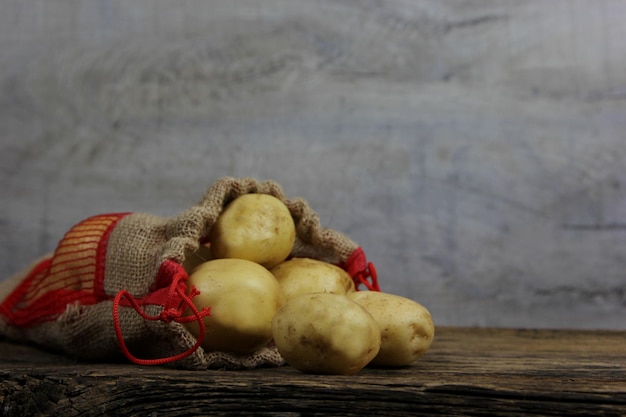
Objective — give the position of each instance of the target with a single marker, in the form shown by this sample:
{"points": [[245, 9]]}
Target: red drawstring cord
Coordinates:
{"points": [[173, 311], [368, 272], [361, 271]]}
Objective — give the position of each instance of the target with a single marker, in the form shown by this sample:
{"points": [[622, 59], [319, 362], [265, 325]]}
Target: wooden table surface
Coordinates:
{"points": [[468, 371]]}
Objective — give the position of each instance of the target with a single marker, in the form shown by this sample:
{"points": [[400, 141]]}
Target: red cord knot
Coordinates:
{"points": [[174, 300], [369, 278], [362, 272], [170, 314]]}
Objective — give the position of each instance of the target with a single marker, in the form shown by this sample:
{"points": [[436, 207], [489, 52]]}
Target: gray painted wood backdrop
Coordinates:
{"points": [[474, 148]]}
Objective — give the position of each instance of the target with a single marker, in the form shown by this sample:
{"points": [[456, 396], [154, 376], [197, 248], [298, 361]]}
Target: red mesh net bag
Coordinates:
{"points": [[115, 286]]}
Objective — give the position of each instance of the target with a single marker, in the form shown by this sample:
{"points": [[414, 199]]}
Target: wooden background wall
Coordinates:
{"points": [[476, 149]]}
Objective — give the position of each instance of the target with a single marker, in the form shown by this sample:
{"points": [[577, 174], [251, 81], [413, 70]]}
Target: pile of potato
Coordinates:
{"points": [[310, 309]]}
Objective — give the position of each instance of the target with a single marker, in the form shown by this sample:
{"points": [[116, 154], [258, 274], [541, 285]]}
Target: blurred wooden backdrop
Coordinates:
{"points": [[476, 149]]}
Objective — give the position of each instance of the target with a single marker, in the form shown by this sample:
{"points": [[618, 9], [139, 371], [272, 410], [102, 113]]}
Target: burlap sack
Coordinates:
{"points": [[115, 285]]}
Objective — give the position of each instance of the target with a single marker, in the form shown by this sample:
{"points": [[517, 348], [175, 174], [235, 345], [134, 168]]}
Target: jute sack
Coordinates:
{"points": [[115, 285]]}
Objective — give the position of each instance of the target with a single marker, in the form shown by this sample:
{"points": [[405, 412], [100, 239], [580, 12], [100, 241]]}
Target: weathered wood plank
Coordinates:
{"points": [[469, 371]]}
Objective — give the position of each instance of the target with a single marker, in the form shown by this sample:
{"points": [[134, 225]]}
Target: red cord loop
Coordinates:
{"points": [[174, 306], [361, 271], [369, 278]]}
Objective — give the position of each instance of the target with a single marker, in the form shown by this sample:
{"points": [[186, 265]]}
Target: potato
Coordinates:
{"points": [[256, 227], [325, 334], [299, 276], [243, 297], [407, 328]]}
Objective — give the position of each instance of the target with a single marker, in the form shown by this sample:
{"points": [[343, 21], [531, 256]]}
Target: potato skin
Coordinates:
{"points": [[243, 297], [325, 333], [256, 227], [298, 276], [407, 328]]}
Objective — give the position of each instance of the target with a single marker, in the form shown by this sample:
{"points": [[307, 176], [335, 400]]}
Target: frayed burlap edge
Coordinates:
{"points": [[186, 231]]}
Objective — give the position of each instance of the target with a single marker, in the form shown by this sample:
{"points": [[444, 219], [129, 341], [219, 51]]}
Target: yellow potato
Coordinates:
{"points": [[243, 297], [407, 328], [325, 334], [299, 276], [256, 227]]}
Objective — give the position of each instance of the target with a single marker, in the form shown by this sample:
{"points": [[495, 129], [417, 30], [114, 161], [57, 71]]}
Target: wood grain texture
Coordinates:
{"points": [[467, 372], [475, 149]]}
